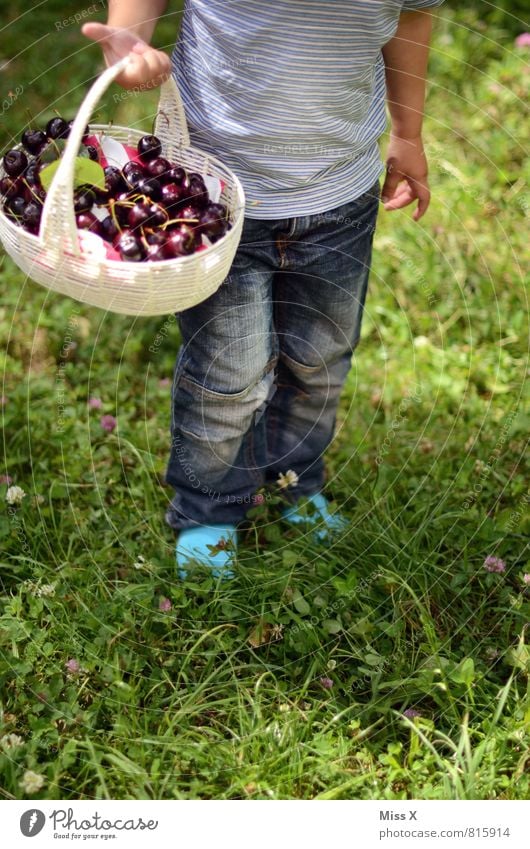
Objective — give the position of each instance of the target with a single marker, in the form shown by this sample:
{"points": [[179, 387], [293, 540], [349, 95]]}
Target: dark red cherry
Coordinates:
{"points": [[179, 242], [197, 191], [138, 215], [31, 174], [177, 175], [149, 147], [190, 212], [84, 200], [34, 193], [156, 253], [34, 140], [132, 166], [172, 195], [114, 180], [31, 216], [10, 187], [213, 222], [108, 229], [88, 221], [156, 237], [157, 215], [130, 247], [133, 175], [150, 187], [16, 206], [57, 128], [92, 152], [158, 168], [15, 162]]}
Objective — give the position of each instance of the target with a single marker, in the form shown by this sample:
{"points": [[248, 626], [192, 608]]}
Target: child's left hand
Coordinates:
{"points": [[406, 176]]}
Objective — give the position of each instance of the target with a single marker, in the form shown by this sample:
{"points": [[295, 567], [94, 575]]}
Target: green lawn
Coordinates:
{"points": [[291, 681]]}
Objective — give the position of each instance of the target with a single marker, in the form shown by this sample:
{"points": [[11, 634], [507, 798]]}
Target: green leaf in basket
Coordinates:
{"points": [[86, 172]]}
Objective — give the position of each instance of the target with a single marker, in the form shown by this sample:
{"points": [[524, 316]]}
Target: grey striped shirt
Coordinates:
{"points": [[290, 94]]}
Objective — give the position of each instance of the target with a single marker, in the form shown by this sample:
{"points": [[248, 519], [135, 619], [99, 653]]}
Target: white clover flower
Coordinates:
{"points": [[11, 741], [15, 494], [46, 590], [140, 562], [287, 479], [32, 782]]}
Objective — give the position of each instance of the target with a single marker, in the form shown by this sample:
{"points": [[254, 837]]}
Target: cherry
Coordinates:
{"points": [[190, 212], [132, 166], [31, 216], [219, 209], [133, 173], [88, 221], [10, 187], [34, 140], [157, 215], [138, 215], [108, 229], [143, 214], [16, 206], [213, 221], [57, 128], [177, 174], [15, 162], [172, 195], [31, 174], [92, 152], [151, 187], [84, 200], [130, 247], [114, 180], [34, 193], [158, 168], [156, 253], [149, 147], [197, 191], [180, 242], [156, 237]]}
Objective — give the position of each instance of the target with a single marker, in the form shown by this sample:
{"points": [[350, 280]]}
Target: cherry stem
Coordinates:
{"points": [[113, 215], [180, 221], [37, 198]]}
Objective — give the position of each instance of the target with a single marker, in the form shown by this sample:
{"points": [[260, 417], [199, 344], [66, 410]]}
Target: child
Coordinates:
{"points": [[291, 96]]}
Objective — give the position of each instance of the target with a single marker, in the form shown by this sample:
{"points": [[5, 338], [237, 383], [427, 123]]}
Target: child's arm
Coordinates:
{"points": [[129, 28], [406, 57]]}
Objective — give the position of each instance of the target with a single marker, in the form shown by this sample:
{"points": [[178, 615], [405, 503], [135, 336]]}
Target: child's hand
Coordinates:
{"points": [[149, 67], [406, 176]]}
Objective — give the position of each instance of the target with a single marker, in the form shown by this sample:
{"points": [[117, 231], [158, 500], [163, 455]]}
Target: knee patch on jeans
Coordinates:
{"points": [[209, 427]]}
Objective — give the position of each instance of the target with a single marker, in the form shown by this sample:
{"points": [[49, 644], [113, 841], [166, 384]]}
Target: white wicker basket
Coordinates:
{"points": [[53, 258]]}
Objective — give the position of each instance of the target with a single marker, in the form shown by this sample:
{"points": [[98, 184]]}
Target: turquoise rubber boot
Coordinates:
{"points": [[214, 546], [333, 523]]}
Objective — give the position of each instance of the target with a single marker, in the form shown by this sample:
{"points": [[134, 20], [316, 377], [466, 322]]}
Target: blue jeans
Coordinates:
{"points": [[263, 361]]}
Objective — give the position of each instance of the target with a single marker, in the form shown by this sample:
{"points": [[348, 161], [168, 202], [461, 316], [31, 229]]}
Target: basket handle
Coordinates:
{"points": [[58, 217]]}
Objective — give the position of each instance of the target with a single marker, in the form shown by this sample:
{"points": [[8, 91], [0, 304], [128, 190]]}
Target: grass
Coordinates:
{"points": [[293, 680]]}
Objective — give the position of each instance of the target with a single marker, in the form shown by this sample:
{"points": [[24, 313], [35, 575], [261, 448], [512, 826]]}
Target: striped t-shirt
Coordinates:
{"points": [[290, 94]]}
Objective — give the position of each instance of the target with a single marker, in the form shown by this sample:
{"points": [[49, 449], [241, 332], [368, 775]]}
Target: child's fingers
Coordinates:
{"points": [[424, 198], [155, 67], [403, 197]]}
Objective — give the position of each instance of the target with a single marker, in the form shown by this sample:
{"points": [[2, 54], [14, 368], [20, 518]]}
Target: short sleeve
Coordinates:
{"points": [[416, 5]]}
